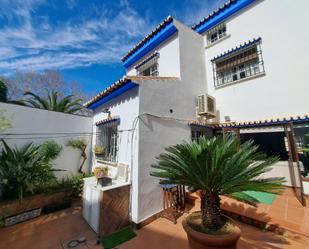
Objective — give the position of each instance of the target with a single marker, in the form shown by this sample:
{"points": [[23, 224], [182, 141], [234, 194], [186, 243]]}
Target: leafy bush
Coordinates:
{"points": [[50, 149], [73, 184], [24, 169]]}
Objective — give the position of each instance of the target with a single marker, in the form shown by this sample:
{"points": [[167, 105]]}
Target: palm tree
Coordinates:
{"points": [[52, 102], [217, 166]]}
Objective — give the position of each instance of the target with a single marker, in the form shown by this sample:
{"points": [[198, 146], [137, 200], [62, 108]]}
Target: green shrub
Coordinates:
{"points": [[24, 169], [50, 149]]}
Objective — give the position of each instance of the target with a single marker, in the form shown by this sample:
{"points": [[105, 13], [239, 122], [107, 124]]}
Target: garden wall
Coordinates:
{"points": [[36, 125]]}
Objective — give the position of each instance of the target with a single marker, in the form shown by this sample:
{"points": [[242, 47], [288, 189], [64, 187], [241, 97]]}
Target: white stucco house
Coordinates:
{"points": [[246, 61]]}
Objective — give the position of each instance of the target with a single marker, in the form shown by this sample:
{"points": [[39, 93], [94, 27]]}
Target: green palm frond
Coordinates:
{"points": [[26, 168], [220, 165], [52, 102]]}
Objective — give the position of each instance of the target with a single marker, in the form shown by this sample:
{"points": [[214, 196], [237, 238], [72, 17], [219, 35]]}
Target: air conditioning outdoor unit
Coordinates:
{"points": [[206, 106]]}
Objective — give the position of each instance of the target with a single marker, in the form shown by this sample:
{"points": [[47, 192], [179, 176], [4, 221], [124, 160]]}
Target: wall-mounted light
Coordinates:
{"points": [[106, 110]]}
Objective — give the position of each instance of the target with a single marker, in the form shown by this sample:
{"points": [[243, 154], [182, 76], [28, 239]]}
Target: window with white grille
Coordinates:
{"points": [[150, 71], [107, 137], [239, 65], [198, 132], [216, 33], [149, 67]]}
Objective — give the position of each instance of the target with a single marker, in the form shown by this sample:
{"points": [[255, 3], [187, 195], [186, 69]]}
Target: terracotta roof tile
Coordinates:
{"points": [[166, 21], [141, 78], [107, 120], [122, 82], [236, 49], [214, 13], [107, 90], [256, 123]]}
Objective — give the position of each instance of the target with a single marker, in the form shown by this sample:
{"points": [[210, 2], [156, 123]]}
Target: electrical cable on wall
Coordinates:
{"points": [[134, 125]]}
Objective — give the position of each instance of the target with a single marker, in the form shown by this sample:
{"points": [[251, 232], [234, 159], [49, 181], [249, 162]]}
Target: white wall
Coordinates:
{"points": [[158, 97], [281, 169], [169, 65], [283, 91], [126, 107], [38, 126]]}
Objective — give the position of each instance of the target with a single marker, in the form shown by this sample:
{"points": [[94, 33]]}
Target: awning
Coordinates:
{"points": [[107, 121], [257, 123]]}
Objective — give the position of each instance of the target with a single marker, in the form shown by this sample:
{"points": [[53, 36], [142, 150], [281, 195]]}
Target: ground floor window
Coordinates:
{"points": [[107, 138], [197, 132]]}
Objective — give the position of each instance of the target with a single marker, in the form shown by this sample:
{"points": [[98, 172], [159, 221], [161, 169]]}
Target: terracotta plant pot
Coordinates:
{"points": [[198, 240]]}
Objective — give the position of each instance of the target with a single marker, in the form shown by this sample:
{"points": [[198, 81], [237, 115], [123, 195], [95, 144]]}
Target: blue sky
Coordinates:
{"points": [[84, 39]]}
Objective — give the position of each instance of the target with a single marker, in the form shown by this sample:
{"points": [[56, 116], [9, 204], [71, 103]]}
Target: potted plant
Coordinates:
{"points": [[215, 167], [99, 151], [100, 172]]}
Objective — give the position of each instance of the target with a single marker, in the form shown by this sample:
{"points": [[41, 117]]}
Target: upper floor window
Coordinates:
{"points": [[149, 66], [150, 71], [216, 33], [240, 64]]}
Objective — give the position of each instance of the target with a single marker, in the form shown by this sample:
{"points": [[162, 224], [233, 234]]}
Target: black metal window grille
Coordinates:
{"points": [[107, 137], [216, 33], [242, 64]]}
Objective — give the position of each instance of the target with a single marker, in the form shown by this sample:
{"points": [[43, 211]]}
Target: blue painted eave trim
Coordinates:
{"points": [[224, 14], [119, 91], [151, 44]]}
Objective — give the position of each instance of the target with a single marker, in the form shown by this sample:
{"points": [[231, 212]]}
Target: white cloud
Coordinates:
{"points": [[33, 42], [101, 39]]}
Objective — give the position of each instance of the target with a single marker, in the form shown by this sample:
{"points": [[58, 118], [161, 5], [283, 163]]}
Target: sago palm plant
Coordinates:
{"points": [[217, 166], [52, 102], [24, 169]]}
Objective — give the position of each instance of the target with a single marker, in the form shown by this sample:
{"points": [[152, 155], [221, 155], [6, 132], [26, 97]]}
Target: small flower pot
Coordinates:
{"points": [[99, 155], [199, 240]]}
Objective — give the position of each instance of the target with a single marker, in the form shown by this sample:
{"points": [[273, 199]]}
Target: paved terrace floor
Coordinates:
{"points": [[285, 212], [54, 230]]}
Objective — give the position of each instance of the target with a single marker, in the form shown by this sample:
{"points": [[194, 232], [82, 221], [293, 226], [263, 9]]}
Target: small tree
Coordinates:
{"points": [[217, 166], [80, 144]]}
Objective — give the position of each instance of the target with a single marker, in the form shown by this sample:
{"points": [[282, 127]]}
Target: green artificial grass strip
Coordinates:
{"points": [[262, 197], [115, 239]]}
